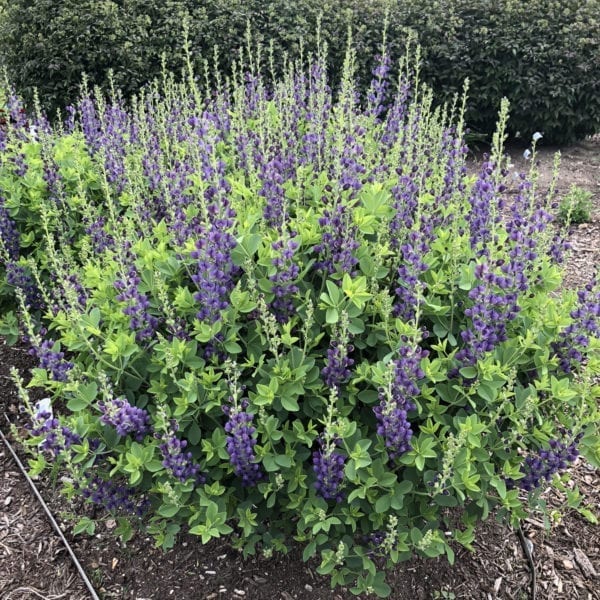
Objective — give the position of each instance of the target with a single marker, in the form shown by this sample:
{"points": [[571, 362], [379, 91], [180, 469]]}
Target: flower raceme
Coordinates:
{"points": [[241, 439], [316, 305], [125, 418], [396, 400], [328, 466]]}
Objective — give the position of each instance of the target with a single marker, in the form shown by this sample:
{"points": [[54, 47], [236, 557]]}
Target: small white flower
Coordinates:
{"points": [[43, 407], [518, 134], [527, 154], [537, 136]]}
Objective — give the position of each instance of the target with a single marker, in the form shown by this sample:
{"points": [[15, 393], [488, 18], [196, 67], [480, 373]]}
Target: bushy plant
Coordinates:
{"points": [[263, 313], [49, 45], [576, 206]]}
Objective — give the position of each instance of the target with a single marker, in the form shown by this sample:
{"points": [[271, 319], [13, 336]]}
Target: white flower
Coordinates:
{"points": [[537, 136], [527, 154], [43, 407]]}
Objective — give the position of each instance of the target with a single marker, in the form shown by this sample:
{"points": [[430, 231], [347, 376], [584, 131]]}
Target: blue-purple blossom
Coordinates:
{"points": [[19, 277], [284, 277], [273, 174], [215, 270], [337, 369], [396, 399], [483, 215], [125, 418], [9, 235], [100, 239], [542, 466], [241, 439], [575, 338], [179, 462], [114, 497], [56, 437], [137, 305], [338, 241], [328, 465], [412, 265], [377, 93], [52, 360]]}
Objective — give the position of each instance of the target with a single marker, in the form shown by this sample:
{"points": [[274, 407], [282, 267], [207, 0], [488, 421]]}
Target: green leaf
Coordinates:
{"points": [[468, 372], [168, 510], [383, 504], [85, 524], [283, 460], [290, 403], [332, 316]]}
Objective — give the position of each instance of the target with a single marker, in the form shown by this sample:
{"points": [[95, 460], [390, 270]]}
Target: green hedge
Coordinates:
{"points": [[543, 55]]}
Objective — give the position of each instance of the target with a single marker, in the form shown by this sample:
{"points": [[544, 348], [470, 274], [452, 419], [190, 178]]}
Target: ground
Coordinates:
{"points": [[35, 564]]}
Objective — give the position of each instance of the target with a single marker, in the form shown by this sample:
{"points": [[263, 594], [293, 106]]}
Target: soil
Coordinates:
{"points": [[35, 564]]}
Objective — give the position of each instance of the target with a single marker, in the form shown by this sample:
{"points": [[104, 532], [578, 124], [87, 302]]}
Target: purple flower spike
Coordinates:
{"points": [[240, 444], [114, 497], [586, 324], [396, 401], [328, 466], [542, 467], [138, 305], [57, 437], [125, 418], [180, 463]]}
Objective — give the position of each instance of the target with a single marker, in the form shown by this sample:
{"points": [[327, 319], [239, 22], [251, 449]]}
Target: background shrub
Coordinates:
{"points": [[544, 56]]}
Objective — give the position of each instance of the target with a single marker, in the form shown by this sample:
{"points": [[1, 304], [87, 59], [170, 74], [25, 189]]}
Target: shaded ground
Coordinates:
{"points": [[33, 563]]}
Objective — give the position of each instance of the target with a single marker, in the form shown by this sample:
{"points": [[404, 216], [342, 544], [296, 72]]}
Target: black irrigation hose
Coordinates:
{"points": [[529, 556], [52, 520]]}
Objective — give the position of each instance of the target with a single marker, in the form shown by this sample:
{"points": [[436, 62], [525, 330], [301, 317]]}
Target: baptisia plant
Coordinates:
{"points": [[285, 315]]}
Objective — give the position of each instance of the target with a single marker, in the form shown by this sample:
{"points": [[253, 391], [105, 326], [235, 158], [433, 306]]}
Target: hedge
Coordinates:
{"points": [[543, 56]]}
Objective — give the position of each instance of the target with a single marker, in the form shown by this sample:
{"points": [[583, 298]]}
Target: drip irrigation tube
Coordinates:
{"points": [[52, 520], [530, 562]]}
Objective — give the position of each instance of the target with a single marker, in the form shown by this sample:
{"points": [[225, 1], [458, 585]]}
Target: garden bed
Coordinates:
{"points": [[34, 564]]}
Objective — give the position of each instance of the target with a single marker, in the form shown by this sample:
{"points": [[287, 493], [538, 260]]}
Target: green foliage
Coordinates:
{"points": [[576, 206], [159, 285], [50, 44], [543, 55]]}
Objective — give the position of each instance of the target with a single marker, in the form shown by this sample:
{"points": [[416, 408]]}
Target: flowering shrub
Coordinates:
{"points": [[265, 313]]}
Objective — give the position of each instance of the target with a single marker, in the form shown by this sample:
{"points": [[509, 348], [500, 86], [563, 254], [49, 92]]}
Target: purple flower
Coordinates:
{"points": [[114, 497], [179, 462], [9, 235], [482, 217], [328, 466], [338, 242], [125, 418], [337, 365], [273, 174], [19, 277], [542, 466], [215, 271], [284, 277], [53, 361], [396, 400], [575, 337], [411, 266], [241, 440], [376, 95], [100, 238], [141, 320], [56, 437]]}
